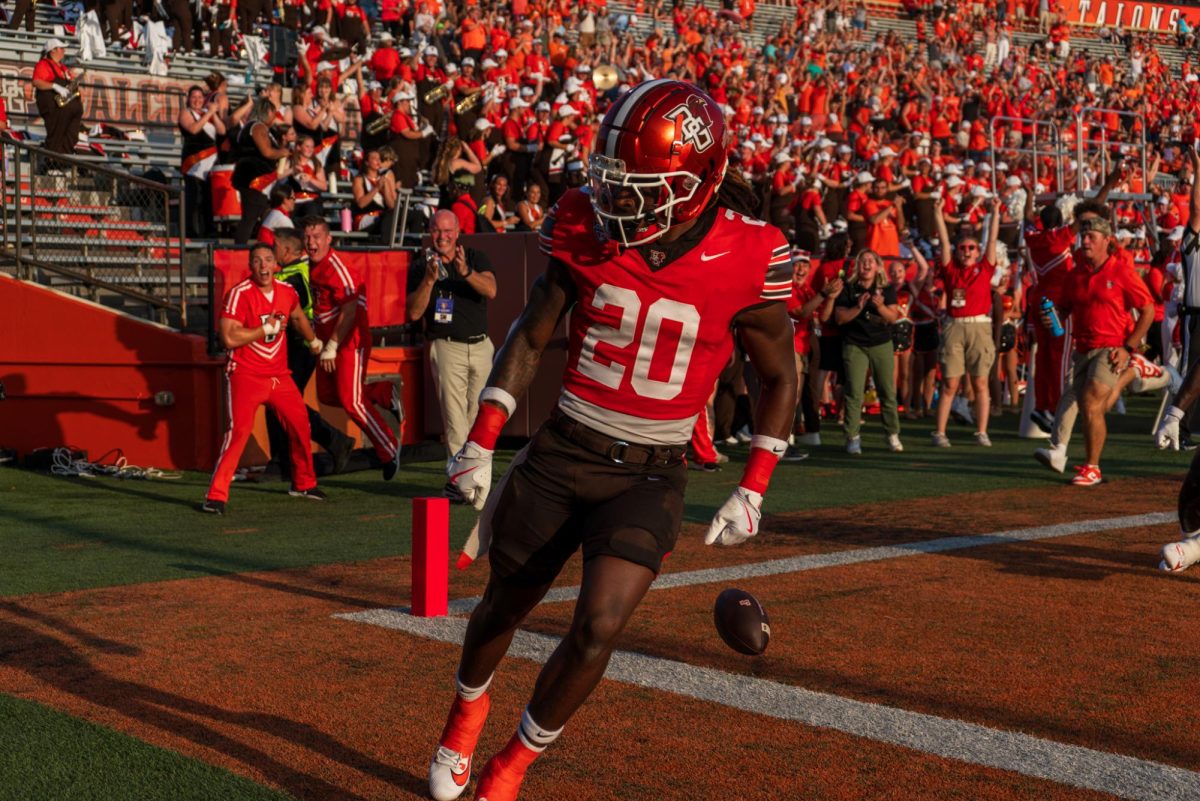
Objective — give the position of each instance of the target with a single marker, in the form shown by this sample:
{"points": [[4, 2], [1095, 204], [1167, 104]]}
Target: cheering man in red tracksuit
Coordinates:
{"points": [[252, 322], [340, 309]]}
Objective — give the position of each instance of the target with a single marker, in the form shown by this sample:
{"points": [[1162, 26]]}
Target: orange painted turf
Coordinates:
{"points": [[1076, 639]]}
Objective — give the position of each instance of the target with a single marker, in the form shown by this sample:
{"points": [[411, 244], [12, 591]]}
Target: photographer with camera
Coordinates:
{"points": [[865, 311], [449, 287]]}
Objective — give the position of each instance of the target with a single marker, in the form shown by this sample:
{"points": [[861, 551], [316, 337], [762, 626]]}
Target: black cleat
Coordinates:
{"points": [[313, 494], [389, 469], [213, 507]]}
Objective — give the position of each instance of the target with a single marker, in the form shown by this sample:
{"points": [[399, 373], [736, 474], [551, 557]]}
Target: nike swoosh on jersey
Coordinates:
{"points": [[707, 257]]}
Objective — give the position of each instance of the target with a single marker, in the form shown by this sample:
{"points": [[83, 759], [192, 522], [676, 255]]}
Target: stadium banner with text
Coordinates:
{"points": [[1160, 17], [384, 272], [124, 99]]}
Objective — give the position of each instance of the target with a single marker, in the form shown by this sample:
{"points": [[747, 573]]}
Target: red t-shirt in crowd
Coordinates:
{"points": [[1099, 301], [968, 289], [800, 295]]}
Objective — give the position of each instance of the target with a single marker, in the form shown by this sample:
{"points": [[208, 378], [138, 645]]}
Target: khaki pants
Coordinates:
{"points": [[459, 374], [1085, 368]]}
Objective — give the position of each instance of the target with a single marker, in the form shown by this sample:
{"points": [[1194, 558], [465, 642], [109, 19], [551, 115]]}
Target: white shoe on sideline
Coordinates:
{"points": [[812, 440], [894, 444], [1054, 458], [854, 446]]}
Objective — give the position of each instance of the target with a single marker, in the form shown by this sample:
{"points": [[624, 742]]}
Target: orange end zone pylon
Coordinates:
{"points": [[430, 556]]}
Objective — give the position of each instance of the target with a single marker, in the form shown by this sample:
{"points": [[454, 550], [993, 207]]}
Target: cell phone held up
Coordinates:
{"points": [[432, 257]]}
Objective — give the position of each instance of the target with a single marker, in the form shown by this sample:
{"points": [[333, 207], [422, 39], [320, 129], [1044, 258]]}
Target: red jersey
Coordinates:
{"points": [[250, 306], [1050, 253], [800, 295], [333, 283], [969, 289], [645, 345], [1099, 302]]}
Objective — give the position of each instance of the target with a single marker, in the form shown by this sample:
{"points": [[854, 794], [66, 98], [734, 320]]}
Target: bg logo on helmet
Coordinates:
{"points": [[692, 127]]}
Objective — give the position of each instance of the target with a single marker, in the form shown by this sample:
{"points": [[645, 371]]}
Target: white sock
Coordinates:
{"points": [[533, 736], [472, 693]]}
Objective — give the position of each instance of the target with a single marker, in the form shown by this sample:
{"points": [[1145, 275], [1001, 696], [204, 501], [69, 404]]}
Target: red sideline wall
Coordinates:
{"points": [[78, 374]]}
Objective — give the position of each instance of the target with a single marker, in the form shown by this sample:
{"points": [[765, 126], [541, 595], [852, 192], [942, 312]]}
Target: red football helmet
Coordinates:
{"points": [[664, 145]]}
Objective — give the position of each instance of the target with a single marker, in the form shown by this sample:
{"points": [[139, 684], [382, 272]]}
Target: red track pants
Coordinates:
{"points": [[345, 388], [702, 441], [1050, 365], [244, 394]]}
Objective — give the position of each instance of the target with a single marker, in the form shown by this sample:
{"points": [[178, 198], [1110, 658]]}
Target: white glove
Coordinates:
{"points": [[272, 327], [737, 520], [329, 355], [498, 150], [60, 90], [315, 346], [469, 475], [1167, 435], [427, 130]]}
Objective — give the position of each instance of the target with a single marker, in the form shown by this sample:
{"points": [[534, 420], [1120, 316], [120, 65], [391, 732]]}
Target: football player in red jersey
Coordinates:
{"points": [[252, 321], [656, 269]]}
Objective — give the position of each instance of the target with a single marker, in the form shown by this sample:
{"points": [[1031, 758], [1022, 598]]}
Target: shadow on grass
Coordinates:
{"points": [[55, 663]]}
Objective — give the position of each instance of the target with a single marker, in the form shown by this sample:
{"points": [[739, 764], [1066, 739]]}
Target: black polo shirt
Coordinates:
{"points": [[456, 311], [868, 328]]}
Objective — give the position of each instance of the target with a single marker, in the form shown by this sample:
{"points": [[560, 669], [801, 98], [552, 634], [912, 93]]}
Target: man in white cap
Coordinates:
{"points": [[406, 138], [518, 156], [859, 196], [560, 146], [61, 112]]}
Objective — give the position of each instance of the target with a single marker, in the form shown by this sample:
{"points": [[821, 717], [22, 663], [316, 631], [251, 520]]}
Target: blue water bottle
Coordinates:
{"points": [[1051, 313]]}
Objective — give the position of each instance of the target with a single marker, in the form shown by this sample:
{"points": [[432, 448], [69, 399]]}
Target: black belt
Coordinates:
{"points": [[475, 340], [618, 450]]}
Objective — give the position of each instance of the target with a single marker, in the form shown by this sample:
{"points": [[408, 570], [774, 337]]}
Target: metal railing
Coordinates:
{"points": [[72, 220]]}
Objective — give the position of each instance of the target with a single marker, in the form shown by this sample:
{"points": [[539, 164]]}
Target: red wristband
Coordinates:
{"points": [[488, 423], [759, 466]]}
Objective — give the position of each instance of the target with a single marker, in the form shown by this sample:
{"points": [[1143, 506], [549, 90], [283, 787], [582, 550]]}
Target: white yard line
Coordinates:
{"points": [[799, 564], [1122, 776]]}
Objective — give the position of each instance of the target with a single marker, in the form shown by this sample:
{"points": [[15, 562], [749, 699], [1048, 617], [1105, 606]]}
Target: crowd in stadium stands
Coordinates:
{"points": [[853, 140]]}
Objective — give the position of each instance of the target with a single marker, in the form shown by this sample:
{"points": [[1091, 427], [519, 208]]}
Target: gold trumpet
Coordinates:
{"points": [[72, 90], [378, 125], [469, 102], [437, 93]]}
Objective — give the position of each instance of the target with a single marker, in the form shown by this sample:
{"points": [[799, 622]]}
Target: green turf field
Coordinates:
{"points": [[72, 533], [50, 756]]}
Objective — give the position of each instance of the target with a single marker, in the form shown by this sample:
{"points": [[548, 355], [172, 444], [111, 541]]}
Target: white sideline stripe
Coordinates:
{"points": [[1122, 776], [799, 564]]}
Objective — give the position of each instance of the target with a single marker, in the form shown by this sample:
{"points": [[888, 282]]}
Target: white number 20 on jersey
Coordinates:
{"points": [[621, 336]]}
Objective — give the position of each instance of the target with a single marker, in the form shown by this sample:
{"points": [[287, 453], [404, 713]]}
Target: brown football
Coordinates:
{"points": [[742, 622]]}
